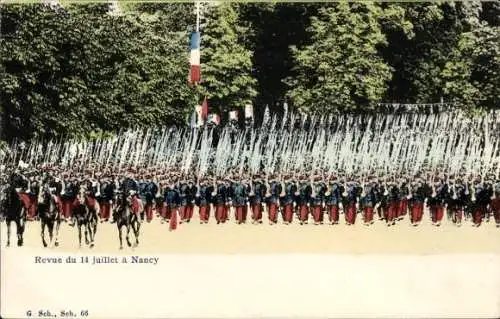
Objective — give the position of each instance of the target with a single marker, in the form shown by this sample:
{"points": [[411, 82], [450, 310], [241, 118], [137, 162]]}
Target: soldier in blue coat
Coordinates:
{"points": [[303, 199], [457, 201], [171, 202], [221, 197], [287, 200], [317, 200], [368, 200], [274, 192], [333, 199], [240, 191], [204, 199], [257, 198]]}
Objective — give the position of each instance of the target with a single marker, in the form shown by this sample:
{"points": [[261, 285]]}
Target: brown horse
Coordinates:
{"points": [[14, 211], [85, 218], [49, 214]]}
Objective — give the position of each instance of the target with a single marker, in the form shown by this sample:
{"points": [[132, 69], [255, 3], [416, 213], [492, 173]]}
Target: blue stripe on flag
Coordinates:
{"points": [[195, 40]]}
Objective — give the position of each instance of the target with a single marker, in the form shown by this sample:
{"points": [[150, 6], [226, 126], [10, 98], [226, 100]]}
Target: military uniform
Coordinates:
{"points": [[203, 200], [220, 200], [239, 198], [256, 198], [333, 197], [172, 202], [69, 197], [149, 192], [416, 202], [350, 201], [480, 205], [368, 201], [33, 192], [303, 199], [403, 201], [273, 201], [457, 202], [437, 202], [317, 200], [107, 193]]}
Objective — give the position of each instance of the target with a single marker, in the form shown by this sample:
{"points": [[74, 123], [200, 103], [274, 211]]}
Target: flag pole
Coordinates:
{"points": [[197, 16]]}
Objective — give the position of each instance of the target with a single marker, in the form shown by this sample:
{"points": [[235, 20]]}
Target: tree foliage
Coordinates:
{"points": [[80, 71], [341, 68]]}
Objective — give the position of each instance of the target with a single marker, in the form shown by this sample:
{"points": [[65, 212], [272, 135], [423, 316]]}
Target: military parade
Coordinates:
{"points": [[395, 169]]}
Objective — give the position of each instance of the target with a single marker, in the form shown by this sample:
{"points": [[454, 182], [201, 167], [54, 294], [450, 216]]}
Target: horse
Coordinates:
{"points": [[86, 218], [14, 210], [49, 214], [125, 217]]}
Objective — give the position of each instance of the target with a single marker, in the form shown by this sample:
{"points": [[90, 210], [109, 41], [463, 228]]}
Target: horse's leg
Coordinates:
{"points": [[79, 225], [50, 225], [42, 223], [91, 236], [128, 232], [58, 224], [86, 229], [20, 230], [136, 233], [119, 225], [8, 222]]}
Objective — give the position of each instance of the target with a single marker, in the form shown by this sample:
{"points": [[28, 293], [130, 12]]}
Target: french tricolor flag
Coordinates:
{"points": [[194, 59]]}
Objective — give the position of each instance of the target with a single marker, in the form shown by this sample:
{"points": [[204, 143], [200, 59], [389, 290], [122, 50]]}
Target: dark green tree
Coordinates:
{"points": [[341, 68]]}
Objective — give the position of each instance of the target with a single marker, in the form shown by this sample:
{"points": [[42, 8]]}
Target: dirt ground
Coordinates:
{"points": [[231, 238]]}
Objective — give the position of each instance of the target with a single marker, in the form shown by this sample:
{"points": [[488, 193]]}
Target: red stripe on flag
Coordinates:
{"points": [[195, 74]]}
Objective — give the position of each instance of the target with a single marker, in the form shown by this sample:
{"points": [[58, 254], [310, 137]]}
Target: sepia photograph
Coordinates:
{"points": [[242, 159]]}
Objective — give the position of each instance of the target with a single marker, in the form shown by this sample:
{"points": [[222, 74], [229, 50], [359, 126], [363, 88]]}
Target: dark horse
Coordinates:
{"points": [[86, 218], [49, 214], [14, 211], [126, 218]]}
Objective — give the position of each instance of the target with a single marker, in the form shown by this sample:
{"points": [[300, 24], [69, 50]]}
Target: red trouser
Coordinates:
{"points": [[135, 205], [67, 207], [403, 207], [459, 213], [220, 213], [272, 209], [317, 214], [495, 207], [368, 214], [333, 213], [182, 213], [168, 211], [33, 205], [172, 211], [189, 211], [417, 211], [437, 213], [477, 214], [160, 209], [303, 212], [350, 214], [240, 214], [392, 211], [105, 209], [288, 213], [148, 209], [204, 212], [256, 212]]}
